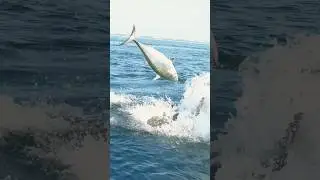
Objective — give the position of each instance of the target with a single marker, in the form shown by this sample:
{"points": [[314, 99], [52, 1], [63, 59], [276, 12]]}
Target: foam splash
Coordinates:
{"points": [[277, 84], [118, 99], [53, 138], [188, 124]]}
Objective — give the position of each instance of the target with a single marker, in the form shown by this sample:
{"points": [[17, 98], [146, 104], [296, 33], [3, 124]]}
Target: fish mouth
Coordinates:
{"points": [[176, 78], [169, 76], [173, 78]]}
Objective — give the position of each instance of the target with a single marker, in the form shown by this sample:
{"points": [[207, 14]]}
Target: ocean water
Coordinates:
{"points": [[53, 89], [266, 111], [178, 150], [53, 60]]}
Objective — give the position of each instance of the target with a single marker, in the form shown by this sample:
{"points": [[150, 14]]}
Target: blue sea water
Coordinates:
{"points": [[53, 89], [179, 150]]}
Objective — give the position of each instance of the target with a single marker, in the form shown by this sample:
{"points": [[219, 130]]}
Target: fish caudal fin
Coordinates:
{"points": [[131, 37]]}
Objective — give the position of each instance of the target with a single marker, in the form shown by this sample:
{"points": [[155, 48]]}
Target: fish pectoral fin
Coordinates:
{"points": [[157, 77]]}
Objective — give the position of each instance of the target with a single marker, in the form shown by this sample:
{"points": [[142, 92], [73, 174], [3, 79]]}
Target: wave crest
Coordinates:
{"points": [[190, 125], [268, 135]]}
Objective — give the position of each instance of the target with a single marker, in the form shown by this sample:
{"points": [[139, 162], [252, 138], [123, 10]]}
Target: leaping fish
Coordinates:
{"points": [[160, 64]]}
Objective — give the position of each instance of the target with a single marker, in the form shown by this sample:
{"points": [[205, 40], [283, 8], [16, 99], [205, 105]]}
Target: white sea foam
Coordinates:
{"points": [[188, 124], [46, 131], [277, 83]]}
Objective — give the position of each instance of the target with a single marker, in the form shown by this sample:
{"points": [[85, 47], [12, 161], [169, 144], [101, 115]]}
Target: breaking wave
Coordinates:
{"points": [[275, 134], [44, 141], [190, 125]]}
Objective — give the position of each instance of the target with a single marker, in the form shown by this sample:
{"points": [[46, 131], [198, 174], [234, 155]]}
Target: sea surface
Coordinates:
{"points": [[53, 89], [178, 150], [53, 71], [266, 111]]}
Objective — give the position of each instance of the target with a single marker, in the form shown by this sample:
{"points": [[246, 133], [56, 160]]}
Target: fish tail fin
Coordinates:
{"points": [[132, 37]]}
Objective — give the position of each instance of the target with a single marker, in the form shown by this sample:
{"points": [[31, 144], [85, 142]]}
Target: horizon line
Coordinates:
{"points": [[163, 38]]}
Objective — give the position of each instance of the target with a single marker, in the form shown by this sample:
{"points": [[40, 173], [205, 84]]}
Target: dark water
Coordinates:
{"points": [[54, 89], [278, 38], [178, 150]]}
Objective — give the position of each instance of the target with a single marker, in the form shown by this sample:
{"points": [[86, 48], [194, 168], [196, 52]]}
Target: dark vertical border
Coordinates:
{"points": [[212, 98], [214, 56], [108, 94]]}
